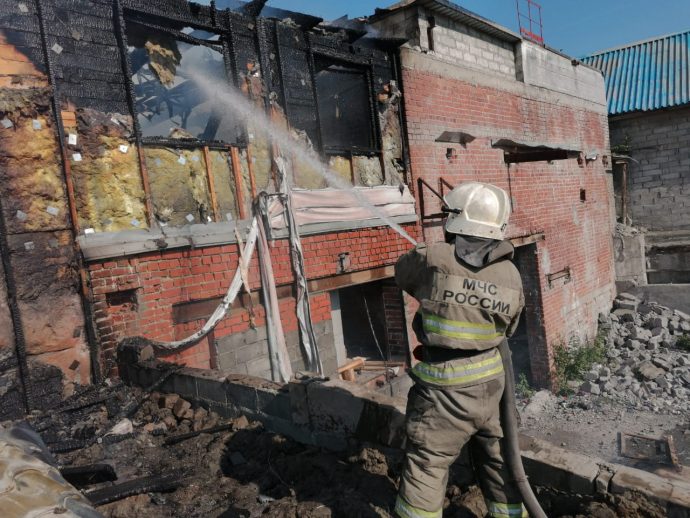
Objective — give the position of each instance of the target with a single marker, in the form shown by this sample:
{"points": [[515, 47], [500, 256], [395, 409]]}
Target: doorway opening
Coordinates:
{"points": [[528, 343], [369, 324]]}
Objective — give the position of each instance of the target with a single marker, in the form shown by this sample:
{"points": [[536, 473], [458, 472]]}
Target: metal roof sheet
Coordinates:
{"points": [[647, 75]]}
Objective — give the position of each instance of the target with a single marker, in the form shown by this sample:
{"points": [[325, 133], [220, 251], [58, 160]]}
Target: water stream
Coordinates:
{"points": [[243, 109]]}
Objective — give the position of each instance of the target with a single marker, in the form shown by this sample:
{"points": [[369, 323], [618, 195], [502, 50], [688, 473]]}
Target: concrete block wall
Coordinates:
{"points": [[659, 183], [403, 22], [546, 196], [631, 265], [247, 352], [544, 68], [460, 44]]}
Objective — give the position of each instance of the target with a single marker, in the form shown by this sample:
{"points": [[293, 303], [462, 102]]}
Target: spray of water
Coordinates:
{"points": [[236, 102]]}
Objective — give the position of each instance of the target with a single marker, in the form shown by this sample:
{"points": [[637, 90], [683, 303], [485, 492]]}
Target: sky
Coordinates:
{"points": [[577, 27]]}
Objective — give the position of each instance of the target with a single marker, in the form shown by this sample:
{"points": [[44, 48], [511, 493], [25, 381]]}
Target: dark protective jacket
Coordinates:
{"points": [[463, 308]]}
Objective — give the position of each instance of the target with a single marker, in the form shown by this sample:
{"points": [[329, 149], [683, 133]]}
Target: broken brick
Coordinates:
{"points": [[168, 401], [181, 408]]}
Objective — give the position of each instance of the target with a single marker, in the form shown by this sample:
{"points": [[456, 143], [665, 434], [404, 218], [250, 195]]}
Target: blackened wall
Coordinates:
{"points": [[79, 42]]}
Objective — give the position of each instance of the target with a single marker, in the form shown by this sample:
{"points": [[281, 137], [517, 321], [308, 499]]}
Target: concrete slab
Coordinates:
{"points": [[548, 465], [630, 479]]}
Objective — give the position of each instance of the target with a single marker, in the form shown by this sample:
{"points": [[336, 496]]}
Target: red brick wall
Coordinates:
{"points": [[162, 279], [546, 196]]}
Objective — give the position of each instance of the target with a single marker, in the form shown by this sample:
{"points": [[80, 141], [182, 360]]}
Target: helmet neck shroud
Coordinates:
{"points": [[479, 251]]}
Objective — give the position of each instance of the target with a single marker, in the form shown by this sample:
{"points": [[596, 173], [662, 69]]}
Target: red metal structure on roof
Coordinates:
{"points": [[529, 20]]}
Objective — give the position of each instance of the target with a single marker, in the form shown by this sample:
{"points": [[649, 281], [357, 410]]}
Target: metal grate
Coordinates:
{"points": [[651, 449]]}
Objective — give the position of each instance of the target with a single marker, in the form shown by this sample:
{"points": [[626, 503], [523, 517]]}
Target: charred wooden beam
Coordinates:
{"points": [[87, 403], [175, 439], [67, 446], [254, 7], [88, 474], [152, 484]]}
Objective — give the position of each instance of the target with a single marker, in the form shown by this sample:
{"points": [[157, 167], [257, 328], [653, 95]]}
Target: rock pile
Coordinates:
{"points": [[164, 413], [645, 367]]}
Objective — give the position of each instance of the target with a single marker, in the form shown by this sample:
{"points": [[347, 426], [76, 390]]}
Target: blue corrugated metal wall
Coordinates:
{"points": [[646, 76]]}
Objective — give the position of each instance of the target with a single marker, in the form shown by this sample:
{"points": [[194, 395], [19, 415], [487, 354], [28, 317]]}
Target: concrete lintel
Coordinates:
{"points": [[528, 239], [111, 245]]}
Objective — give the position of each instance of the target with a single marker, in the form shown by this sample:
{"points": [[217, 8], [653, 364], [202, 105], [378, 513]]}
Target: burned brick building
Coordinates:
{"points": [[131, 171], [482, 103], [126, 185]]}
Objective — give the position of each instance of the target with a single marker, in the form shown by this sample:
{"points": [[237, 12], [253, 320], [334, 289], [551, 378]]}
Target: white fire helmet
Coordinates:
{"points": [[477, 209]]}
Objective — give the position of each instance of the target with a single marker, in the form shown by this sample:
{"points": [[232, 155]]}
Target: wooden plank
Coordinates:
{"points": [[211, 185], [239, 192], [347, 371], [250, 169], [350, 279], [352, 364]]}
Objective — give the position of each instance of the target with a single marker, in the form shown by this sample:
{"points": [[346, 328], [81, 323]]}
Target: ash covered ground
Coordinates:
{"points": [[246, 471]]}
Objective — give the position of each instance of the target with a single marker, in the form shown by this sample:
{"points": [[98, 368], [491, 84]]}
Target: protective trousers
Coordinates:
{"points": [[440, 421]]}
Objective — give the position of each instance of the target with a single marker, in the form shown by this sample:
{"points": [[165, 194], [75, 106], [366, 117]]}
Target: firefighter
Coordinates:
{"points": [[470, 296]]}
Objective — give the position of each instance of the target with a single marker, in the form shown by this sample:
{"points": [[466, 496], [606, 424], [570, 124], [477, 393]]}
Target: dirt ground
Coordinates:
{"points": [[245, 471], [590, 425], [249, 472]]}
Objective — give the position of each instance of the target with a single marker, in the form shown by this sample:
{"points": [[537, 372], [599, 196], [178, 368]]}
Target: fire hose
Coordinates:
{"points": [[510, 433]]}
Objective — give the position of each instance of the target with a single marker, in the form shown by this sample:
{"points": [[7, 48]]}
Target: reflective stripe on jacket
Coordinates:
{"points": [[462, 371], [462, 307]]}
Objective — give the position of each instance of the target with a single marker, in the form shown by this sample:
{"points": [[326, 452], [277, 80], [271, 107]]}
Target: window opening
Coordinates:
{"points": [[168, 102], [193, 168], [343, 97], [518, 152]]}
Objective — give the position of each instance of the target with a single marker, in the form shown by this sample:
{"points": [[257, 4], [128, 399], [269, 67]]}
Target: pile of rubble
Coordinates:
{"points": [[646, 366], [163, 413]]}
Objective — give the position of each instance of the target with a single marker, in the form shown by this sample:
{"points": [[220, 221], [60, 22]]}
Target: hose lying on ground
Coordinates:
{"points": [[510, 433]]}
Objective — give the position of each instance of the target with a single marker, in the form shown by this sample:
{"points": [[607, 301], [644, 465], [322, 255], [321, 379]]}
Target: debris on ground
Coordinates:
{"points": [[182, 460], [641, 388], [644, 367]]}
